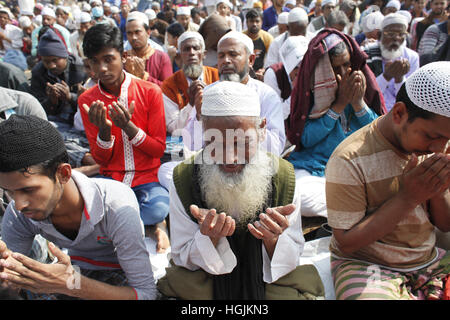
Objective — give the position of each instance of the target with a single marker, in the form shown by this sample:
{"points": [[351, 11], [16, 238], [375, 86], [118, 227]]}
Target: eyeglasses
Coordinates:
{"points": [[388, 34]]}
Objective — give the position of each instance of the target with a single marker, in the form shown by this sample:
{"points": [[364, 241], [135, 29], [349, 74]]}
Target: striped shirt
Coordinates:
{"points": [[433, 37], [362, 174]]}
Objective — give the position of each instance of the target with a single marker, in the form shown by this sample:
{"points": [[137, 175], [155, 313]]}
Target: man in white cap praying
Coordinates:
{"points": [[388, 196], [371, 28], [145, 59], [235, 57], [184, 18], [236, 245], [10, 35], [84, 22], [318, 23], [281, 76], [297, 22], [390, 59], [49, 19], [180, 89]]}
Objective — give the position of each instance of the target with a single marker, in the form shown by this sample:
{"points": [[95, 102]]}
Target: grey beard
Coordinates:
{"points": [[235, 77], [193, 71]]}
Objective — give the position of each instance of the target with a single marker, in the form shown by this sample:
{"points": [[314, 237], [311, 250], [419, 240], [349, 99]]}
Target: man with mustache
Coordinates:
{"points": [[234, 58], [143, 59], [234, 214], [389, 58]]}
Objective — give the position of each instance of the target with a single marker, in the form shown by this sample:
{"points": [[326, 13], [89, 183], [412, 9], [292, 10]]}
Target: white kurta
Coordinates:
{"points": [[177, 119], [271, 110], [271, 80], [193, 250]]}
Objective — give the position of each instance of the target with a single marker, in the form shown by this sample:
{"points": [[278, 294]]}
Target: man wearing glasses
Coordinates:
{"points": [[390, 59]]}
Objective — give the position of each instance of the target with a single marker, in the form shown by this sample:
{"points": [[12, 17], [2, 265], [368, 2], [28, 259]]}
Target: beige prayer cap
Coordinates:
{"points": [[429, 88], [229, 98]]}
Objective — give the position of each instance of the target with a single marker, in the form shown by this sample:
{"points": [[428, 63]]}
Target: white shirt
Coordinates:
{"points": [[177, 119], [273, 55], [271, 110], [271, 80], [193, 250], [14, 34]]}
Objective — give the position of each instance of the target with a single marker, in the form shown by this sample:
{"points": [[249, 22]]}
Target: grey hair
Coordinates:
{"points": [[337, 17]]}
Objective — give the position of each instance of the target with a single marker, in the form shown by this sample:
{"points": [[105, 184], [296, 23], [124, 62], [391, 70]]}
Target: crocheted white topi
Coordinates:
{"points": [[429, 88], [229, 98]]}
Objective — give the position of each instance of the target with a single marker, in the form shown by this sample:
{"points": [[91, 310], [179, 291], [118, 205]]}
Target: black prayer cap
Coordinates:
{"points": [[26, 141]]}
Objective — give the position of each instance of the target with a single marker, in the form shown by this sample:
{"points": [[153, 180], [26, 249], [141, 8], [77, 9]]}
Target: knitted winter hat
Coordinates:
{"points": [[27, 141]]}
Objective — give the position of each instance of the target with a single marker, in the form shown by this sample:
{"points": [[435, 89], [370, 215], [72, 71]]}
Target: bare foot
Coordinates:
{"points": [[162, 240]]}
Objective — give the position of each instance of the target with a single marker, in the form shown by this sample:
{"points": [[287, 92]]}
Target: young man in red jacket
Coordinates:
{"points": [[124, 121]]}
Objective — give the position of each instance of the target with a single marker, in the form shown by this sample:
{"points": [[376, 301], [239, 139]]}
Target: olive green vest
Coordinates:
{"points": [[303, 283]]}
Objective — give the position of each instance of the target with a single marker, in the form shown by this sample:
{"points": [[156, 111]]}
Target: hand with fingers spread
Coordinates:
{"points": [[213, 225], [39, 277], [272, 223], [121, 117], [421, 182], [97, 114]]}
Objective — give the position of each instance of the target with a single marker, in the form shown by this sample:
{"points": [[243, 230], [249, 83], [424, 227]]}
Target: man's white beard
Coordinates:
{"points": [[241, 195], [193, 71], [391, 54]]}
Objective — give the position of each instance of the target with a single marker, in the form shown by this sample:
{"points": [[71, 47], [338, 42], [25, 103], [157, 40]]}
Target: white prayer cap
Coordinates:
{"points": [[394, 18], [394, 4], [292, 2], [297, 15], [283, 18], [26, 13], [372, 21], [226, 2], [190, 35], [107, 4], [406, 14], [138, 16], [115, 9], [240, 37], [325, 2], [24, 22], [92, 2], [64, 8], [183, 11], [429, 88], [85, 17], [48, 12], [230, 98], [311, 5], [292, 52], [8, 12], [193, 2], [151, 14], [86, 7]]}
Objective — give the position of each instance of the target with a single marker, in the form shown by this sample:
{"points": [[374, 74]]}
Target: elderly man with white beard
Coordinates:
{"points": [[234, 215], [389, 58]]}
